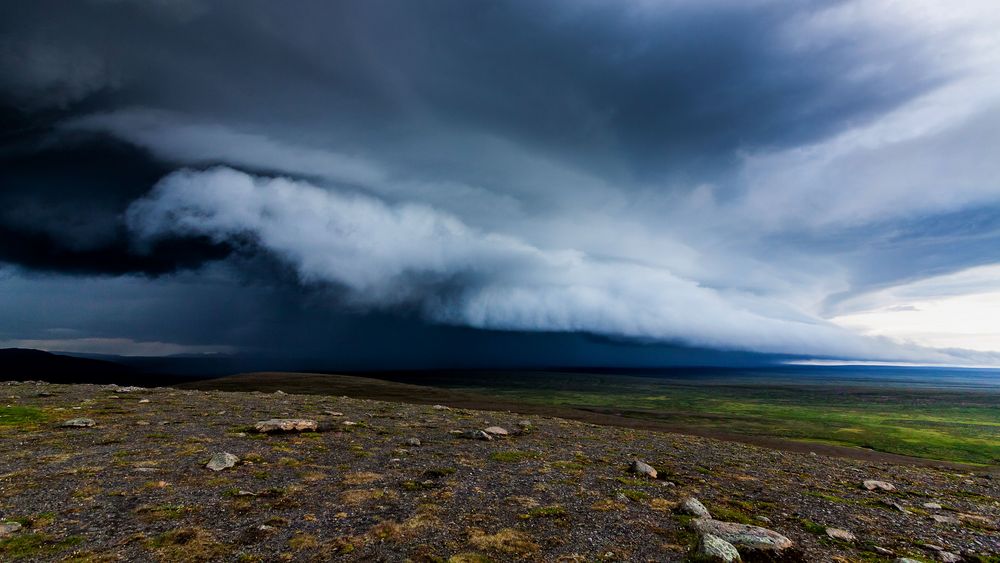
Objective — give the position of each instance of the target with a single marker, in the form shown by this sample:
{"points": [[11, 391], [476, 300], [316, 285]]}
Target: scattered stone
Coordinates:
{"points": [[744, 536], [441, 408], [286, 425], [78, 423], [9, 528], [643, 468], [932, 505], [882, 551], [349, 423], [694, 507], [143, 401], [904, 560], [280, 392], [872, 484], [413, 442], [839, 534], [496, 431], [716, 550], [949, 557], [44, 394], [333, 413], [222, 460]]}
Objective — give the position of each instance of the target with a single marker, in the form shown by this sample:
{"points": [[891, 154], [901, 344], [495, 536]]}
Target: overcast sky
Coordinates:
{"points": [[568, 181]]}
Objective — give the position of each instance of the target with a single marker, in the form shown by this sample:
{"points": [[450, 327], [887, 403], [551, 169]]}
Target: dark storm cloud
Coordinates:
{"points": [[710, 173]]}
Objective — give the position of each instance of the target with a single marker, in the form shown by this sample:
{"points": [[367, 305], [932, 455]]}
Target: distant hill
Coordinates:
{"points": [[20, 364]]}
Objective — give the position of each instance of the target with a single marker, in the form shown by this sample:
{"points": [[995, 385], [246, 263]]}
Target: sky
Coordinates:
{"points": [[569, 182]]}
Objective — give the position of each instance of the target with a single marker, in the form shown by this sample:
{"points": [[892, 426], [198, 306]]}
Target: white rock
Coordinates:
{"points": [[496, 431], [78, 423], [222, 460], [872, 484], [286, 425]]}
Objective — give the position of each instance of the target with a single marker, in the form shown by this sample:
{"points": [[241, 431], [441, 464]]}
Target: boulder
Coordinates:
{"points": [[222, 460], [413, 442], [694, 507], [643, 468], [932, 505], [872, 484], [761, 541], [475, 435], [78, 423], [496, 431], [712, 548], [286, 425]]}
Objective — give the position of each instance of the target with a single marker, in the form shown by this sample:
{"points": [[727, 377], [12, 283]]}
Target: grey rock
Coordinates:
{"points": [[941, 519], [717, 550], [949, 557], [475, 435], [222, 460], [496, 431], [743, 536], [839, 534], [904, 560], [643, 468], [286, 425], [413, 442], [932, 505], [441, 408], [694, 507], [78, 423]]}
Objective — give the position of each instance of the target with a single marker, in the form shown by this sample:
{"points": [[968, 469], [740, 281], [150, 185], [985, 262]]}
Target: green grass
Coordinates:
{"points": [[936, 424], [34, 546], [21, 416]]}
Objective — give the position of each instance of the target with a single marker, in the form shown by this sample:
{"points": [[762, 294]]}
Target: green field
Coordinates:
{"points": [[944, 424]]}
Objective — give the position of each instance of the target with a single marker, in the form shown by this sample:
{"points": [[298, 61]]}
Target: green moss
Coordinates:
{"points": [[34, 546], [436, 472], [21, 416], [812, 527], [513, 456], [635, 495], [729, 514]]}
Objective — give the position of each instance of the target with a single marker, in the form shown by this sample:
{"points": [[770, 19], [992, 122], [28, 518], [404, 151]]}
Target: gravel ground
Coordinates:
{"points": [[134, 487]]}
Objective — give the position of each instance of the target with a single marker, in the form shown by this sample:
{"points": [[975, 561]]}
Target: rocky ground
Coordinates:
{"points": [[382, 481]]}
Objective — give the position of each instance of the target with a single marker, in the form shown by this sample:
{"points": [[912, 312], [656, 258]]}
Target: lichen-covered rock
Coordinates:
{"points": [[840, 534], [713, 549], [286, 425], [694, 507], [9, 528], [643, 468], [222, 460], [746, 537], [78, 423]]}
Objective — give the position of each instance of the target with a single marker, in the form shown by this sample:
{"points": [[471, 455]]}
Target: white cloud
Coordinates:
{"points": [[386, 254]]}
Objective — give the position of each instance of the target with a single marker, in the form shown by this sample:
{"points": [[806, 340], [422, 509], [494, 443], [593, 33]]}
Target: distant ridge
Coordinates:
{"points": [[24, 364]]}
